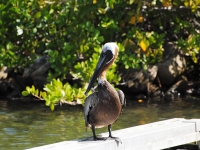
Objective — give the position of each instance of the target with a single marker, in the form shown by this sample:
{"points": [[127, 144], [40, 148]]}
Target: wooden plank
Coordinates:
{"points": [[152, 136]]}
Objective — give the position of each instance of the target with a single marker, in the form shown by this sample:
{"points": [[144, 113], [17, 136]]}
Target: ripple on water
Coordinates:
{"points": [[9, 131]]}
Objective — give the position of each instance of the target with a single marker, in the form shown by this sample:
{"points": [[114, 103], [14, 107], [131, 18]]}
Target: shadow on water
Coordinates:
{"points": [[26, 125]]}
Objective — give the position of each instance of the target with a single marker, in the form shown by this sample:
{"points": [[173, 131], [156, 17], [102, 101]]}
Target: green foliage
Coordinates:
{"points": [[83, 70], [55, 92], [141, 48], [190, 46], [179, 24], [70, 33]]}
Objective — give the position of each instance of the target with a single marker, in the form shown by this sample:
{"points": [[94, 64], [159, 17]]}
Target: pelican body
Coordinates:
{"points": [[102, 108]]}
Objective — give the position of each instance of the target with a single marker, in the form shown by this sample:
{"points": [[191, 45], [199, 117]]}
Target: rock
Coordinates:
{"points": [[165, 76], [41, 70], [3, 83], [180, 86], [3, 73], [13, 94], [3, 86], [37, 64], [138, 81], [133, 80], [153, 90], [39, 82], [15, 88], [152, 71], [172, 66], [37, 72], [169, 51]]}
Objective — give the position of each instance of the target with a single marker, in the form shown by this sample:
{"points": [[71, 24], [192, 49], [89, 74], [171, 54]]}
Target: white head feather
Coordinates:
{"points": [[110, 46]]}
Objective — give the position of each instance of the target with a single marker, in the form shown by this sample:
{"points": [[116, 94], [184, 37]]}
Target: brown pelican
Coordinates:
{"points": [[102, 108]]}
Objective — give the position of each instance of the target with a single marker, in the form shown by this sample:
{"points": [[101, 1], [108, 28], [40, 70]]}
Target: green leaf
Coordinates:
{"points": [[9, 46], [34, 30], [57, 83], [51, 11], [37, 15], [52, 107], [43, 94], [48, 102], [48, 88], [28, 89], [36, 92], [25, 93], [101, 10], [12, 54], [32, 89]]}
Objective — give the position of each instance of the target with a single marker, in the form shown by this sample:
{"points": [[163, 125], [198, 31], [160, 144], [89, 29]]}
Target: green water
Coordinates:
{"points": [[25, 125]]}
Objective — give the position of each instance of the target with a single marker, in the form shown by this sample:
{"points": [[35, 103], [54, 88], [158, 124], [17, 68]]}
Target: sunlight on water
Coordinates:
{"points": [[29, 125]]}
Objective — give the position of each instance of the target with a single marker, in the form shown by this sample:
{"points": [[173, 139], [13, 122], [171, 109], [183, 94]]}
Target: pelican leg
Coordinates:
{"points": [[110, 134], [95, 138], [93, 131], [110, 131]]}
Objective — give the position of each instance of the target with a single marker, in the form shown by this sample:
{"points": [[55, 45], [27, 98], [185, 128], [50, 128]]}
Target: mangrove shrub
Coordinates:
{"points": [[71, 33]]}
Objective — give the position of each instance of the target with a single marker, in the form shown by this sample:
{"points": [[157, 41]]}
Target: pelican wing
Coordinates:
{"points": [[122, 98], [90, 102]]}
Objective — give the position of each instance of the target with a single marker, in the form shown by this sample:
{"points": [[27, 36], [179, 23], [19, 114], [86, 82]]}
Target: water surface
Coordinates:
{"points": [[27, 125]]}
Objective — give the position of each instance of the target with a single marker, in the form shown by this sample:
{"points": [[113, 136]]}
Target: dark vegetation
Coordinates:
{"points": [[49, 48]]}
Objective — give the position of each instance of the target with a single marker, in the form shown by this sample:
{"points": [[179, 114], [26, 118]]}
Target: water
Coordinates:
{"points": [[27, 125]]}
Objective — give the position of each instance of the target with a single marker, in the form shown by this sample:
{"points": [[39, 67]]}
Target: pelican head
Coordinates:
{"points": [[108, 55]]}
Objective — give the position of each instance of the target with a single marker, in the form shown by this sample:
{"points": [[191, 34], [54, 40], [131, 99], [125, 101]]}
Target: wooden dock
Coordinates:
{"points": [[152, 136]]}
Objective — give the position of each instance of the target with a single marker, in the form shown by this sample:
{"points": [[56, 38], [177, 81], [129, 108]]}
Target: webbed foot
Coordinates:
{"points": [[99, 138], [116, 139]]}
